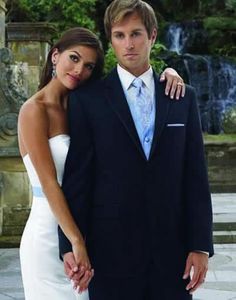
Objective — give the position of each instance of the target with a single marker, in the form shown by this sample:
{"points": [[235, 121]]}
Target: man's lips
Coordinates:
{"points": [[130, 55]]}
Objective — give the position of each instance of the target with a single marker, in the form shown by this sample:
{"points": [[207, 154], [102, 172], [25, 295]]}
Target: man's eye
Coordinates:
{"points": [[74, 58], [119, 35]]}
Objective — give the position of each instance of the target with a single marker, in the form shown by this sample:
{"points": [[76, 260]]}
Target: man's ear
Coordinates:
{"points": [[111, 46], [154, 36]]}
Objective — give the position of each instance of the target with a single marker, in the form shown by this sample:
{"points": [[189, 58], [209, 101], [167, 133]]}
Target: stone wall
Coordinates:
{"points": [[2, 23], [14, 188], [221, 160], [15, 196], [29, 43], [19, 77]]}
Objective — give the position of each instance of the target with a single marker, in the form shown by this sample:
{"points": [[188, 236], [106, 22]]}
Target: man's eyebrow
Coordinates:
{"points": [[120, 31]]}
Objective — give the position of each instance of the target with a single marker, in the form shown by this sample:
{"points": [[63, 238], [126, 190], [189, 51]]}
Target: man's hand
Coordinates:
{"points": [[197, 261], [80, 276], [175, 84], [70, 266]]}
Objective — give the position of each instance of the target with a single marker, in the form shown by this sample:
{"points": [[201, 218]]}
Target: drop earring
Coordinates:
{"points": [[54, 73]]}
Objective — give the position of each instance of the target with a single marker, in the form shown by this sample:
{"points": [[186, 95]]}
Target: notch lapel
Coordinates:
{"points": [[162, 109], [117, 100]]}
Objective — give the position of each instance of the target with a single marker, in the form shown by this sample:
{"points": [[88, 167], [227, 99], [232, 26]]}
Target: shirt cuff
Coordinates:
{"points": [[207, 253]]}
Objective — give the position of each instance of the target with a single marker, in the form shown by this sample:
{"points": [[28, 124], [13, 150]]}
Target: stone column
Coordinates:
{"points": [[2, 23], [29, 44]]}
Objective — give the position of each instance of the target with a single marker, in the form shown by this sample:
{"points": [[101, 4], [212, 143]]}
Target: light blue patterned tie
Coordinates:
{"points": [[143, 102]]}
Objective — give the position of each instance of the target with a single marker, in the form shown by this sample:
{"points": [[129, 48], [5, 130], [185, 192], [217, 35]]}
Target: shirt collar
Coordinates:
{"points": [[127, 78]]}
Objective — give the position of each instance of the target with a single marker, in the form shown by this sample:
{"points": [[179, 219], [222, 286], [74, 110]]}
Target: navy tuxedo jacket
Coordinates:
{"points": [[133, 211]]}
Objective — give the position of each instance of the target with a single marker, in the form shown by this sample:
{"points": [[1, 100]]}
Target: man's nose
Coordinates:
{"points": [[129, 43]]}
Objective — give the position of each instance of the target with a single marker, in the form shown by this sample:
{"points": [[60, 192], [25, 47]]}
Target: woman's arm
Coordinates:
{"points": [[33, 138]]}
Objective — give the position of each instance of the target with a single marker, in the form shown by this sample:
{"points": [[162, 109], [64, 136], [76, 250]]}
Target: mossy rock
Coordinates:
{"points": [[229, 121]]}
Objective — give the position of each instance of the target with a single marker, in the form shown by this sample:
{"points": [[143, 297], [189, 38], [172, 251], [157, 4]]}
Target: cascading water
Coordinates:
{"points": [[214, 79], [176, 38]]}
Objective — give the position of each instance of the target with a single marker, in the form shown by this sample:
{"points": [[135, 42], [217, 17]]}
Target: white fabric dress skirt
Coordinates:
{"points": [[42, 270]]}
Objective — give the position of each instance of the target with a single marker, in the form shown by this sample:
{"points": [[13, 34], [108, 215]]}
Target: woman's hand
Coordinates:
{"points": [[81, 256], [77, 266], [85, 273], [175, 84]]}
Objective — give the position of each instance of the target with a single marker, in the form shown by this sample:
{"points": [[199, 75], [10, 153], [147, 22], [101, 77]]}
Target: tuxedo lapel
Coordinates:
{"points": [[162, 108], [116, 98]]}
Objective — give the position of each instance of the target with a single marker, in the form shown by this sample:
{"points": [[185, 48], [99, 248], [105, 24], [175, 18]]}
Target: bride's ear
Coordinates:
{"points": [[55, 56]]}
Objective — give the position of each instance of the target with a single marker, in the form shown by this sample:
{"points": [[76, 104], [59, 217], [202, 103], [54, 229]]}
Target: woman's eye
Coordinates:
{"points": [[74, 58], [90, 67]]}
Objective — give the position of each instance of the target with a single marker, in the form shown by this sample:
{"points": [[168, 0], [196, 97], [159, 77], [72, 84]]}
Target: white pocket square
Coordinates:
{"points": [[175, 125]]}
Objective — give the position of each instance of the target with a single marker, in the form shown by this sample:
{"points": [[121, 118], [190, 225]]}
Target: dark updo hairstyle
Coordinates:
{"points": [[77, 36]]}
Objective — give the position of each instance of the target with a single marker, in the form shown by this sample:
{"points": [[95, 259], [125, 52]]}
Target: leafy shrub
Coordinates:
{"points": [[229, 121]]}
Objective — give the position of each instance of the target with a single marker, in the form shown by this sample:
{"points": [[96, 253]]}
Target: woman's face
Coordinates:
{"points": [[74, 65]]}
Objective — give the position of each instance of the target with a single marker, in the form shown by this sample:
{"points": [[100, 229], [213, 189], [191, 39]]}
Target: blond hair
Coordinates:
{"points": [[119, 9]]}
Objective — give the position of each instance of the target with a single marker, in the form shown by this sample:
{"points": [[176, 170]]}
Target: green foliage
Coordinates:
{"points": [[211, 7], [220, 32], [231, 5], [192, 9], [229, 120], [157, 63], [222, 23], [226, 50], [110, 60], [222, 138], [65, 13]]}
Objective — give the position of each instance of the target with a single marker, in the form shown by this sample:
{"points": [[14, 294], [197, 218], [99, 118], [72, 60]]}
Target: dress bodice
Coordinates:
{"points": [[59, 145]]}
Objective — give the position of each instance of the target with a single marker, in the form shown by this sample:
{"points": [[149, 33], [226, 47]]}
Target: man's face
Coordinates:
{"points": [[131, 44]]}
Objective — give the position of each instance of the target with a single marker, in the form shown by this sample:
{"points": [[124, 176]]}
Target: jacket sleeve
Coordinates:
{"points": [[78, 168], [197, 194]]}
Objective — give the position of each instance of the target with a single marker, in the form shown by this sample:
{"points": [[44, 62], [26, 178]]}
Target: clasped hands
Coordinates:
{"points": [[78, 268]]}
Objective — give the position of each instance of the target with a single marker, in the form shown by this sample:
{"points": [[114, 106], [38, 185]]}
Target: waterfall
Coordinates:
{"points": [[228, 83], [176, 38], [214, 79]]}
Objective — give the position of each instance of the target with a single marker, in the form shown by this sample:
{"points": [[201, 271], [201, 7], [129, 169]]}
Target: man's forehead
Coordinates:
{"points": [[130, 19]]}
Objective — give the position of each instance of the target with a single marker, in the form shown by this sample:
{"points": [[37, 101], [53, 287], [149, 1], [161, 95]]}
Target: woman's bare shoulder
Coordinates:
{"points": [[33, 107]]}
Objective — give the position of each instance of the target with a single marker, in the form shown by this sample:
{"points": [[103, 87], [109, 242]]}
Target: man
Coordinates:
{"points": [[135, 176]]}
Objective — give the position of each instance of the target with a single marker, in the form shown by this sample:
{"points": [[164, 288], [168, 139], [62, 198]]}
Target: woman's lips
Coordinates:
{"points": [[74, 78]]}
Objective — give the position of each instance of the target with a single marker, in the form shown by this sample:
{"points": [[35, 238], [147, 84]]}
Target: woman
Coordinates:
{"points": [[43, 141]]}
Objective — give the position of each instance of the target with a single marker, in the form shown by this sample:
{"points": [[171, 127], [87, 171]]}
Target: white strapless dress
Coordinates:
{"points": [[42, 270]]}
